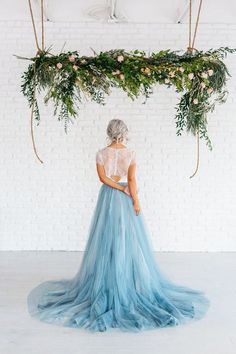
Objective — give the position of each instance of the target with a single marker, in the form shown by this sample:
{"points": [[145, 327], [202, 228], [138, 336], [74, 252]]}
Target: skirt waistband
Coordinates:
{"points": [[122, 183]]}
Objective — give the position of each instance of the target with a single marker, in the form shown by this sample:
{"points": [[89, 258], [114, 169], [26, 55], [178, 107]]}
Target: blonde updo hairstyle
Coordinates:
{"points": [[117, 131]]}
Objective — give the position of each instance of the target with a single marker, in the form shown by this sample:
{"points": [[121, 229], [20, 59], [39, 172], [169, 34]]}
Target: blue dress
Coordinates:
{"points": [[119, 284]]}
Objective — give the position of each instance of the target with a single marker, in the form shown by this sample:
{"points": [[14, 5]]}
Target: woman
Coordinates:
{"points": [[119, 284]]}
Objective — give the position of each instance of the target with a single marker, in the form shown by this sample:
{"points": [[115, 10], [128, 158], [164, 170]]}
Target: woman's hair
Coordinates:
{"points": [[117, 130]]}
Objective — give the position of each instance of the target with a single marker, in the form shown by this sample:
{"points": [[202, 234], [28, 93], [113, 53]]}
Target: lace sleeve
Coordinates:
{"points": [[99, 158], [133, 158]]}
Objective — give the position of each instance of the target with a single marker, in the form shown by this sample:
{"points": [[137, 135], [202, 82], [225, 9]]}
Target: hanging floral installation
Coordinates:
{"points": [[200, 79]]}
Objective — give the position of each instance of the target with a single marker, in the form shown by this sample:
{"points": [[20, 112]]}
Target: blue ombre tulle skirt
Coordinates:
{"points": [[119, 284]]}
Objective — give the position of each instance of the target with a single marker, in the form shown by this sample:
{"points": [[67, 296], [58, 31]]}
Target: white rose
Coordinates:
{"points": [[167, 81], [210, 72], [181, 69], [190, 76], [59, 65], [210, 90], [203, 85], [71, 58], [122, 76], [147, 70], [120, 58], [204, 75], [195, 101], [75, 67]]}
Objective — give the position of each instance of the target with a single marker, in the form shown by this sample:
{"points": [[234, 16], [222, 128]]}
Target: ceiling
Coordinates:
{"points": [[158, 11]]}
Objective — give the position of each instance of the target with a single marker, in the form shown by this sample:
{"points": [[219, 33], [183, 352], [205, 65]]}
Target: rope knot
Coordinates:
{"points": [[190, 50]]}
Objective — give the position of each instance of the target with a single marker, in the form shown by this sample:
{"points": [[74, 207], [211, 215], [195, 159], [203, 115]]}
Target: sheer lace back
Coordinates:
{"points": [[116, 162]]}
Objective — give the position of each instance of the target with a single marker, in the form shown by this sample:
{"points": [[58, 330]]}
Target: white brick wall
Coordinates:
{"points": [[49, 206]]}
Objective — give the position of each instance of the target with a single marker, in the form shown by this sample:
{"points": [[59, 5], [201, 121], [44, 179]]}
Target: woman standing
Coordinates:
{"points": [[119, 284]]}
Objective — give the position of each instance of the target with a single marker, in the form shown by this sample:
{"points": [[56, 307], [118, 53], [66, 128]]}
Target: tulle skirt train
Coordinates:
{"points": [[119, 283]]}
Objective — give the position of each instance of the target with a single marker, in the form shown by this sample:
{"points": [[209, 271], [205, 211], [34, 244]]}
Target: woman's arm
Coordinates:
{"points": [[132, 184], [106, 180]]}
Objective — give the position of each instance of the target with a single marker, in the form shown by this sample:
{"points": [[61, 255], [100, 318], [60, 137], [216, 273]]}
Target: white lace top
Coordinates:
{"points": [[116, 162]]}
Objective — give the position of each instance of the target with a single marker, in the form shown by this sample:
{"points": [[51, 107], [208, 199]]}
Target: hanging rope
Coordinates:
{"points": [[42, 24], [39, 50], [197, 23], [190, 49], [31, 119], [34, 27], [191, 41], [190, 25]]}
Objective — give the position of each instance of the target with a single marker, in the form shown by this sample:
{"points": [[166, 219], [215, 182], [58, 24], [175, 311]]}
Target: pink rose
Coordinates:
{"points": [[117, 72], [204, 75], [210, 90], [190, 76], [120, 58], [71, 58], [147, 70], [59, 65]]}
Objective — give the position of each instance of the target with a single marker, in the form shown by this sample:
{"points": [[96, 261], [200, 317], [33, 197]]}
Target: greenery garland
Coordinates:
{"points": [[200, 77]]}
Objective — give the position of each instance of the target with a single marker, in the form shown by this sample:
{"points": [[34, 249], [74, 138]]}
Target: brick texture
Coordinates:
{"points": [[49, 206]]}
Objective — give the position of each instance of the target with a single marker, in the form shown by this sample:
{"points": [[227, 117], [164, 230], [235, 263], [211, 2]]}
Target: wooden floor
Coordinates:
{"points": [[215, 334]]}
